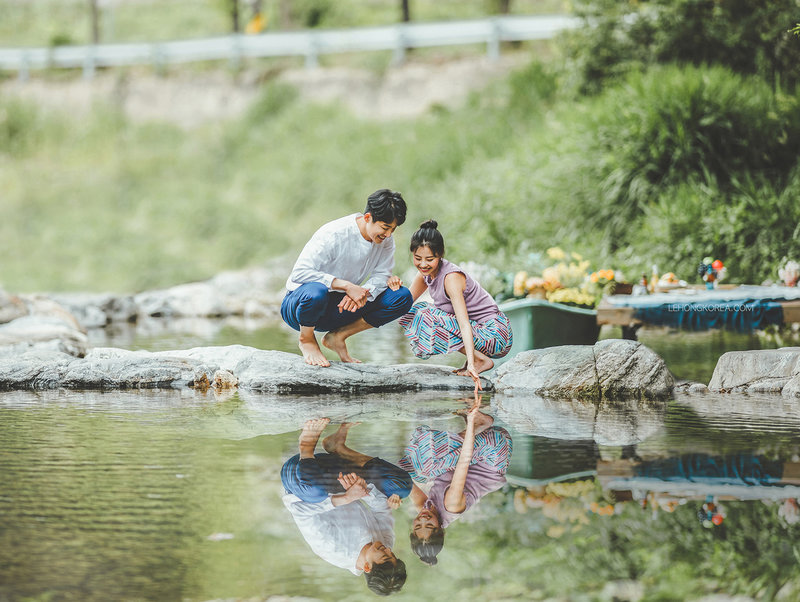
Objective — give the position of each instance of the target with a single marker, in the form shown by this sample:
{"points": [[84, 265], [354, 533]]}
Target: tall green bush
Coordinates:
{"points": [[672, 125], [670, 166], [748, 36]]}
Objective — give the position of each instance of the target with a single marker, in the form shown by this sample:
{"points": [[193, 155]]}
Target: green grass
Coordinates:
{"points": [[665, 168], [107, 204], [45, 22]]}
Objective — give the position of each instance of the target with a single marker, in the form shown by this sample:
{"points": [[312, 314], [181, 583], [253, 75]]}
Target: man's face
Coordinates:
{"points": [[379, 554], [377, 232]]}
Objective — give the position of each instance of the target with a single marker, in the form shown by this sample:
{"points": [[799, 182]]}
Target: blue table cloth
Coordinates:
{"points": [[744, 308]]}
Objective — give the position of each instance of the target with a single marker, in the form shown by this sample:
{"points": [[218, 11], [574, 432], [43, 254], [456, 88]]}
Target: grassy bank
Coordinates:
{"points": [[665, 167], [108, 204]]}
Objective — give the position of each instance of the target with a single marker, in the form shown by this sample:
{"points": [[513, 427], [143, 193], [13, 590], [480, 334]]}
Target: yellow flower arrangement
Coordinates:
{"points": [[602, 276], [567, 280], [572, 296]]}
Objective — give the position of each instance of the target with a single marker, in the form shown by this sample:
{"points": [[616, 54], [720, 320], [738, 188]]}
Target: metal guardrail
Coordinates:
{"points": [[309, 44]]}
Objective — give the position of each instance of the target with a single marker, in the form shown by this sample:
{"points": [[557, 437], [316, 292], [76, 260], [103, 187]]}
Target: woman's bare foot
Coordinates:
{"points": [[335, 342], [334, 443], [461, 369], [482, 421], [312, 354], [482, 364], [309, 436]]}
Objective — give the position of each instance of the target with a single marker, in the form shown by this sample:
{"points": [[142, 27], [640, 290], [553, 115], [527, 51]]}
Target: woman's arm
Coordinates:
{"points": [[418, 286], [417, 497], [454, 500], [454, 285]]}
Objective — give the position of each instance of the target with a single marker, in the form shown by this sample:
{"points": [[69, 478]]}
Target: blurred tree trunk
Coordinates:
{"points": [[504, 7], [95, 14], [234, 5], [406, 10], [284, 6]]}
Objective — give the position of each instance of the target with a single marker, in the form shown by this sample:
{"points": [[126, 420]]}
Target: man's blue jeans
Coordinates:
{"points": [[312, 304], [312, 479]]}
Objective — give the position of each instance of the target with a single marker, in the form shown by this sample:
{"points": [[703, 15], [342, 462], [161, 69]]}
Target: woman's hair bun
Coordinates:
{"points": [[431, 224]]}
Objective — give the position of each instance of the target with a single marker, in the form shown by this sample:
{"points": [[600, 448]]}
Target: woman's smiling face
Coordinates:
{"points": [[425, 261]]}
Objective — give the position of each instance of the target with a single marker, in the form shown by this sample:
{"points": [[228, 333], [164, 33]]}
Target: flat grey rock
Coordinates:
{"points": [[11, 307], [610, 369], [222, 367], [629, 369], [619, 422], [42, 333], [566, 371], [96, 310], [756, 371], [254, 292]]}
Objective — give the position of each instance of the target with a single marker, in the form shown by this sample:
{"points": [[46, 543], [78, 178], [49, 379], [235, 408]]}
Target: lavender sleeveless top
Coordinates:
{"points": [[480, 304], [481, 480]]}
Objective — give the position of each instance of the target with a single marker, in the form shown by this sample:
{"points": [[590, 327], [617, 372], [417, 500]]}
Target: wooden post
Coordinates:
{"points": [[235, 15], [95, 15], [493, 46], [399, 54]]}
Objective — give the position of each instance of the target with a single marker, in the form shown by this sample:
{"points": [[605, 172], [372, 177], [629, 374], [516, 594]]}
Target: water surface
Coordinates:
{"points": [[168, 495]]}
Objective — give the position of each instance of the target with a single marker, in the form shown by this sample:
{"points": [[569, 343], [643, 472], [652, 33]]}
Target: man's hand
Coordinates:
{"points": [[355, 297], [394, 282], [355, 486], [347, 304], [393, 501]]}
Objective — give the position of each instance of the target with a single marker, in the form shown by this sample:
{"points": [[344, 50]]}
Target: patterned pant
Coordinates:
{"points": [[432, 452], [432, 331]]}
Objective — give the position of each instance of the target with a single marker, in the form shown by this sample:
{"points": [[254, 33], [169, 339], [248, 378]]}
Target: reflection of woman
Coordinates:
{"points": [[463, 468]]}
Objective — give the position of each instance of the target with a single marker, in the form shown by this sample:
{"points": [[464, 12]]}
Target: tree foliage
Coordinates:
{"points": [[748, 36]]}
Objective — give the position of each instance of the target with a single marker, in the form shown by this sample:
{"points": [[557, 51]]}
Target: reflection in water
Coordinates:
{"points": [[674, 510], [459, 469], [342, 502], [168, 495]]}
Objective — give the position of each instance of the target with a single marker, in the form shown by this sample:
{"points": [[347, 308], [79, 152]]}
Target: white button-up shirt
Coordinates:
{"points": [[338, 250], [337, 534]]}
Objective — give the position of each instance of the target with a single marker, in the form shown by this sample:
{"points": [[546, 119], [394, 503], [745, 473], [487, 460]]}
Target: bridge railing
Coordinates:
{"points": [[310, 44]]}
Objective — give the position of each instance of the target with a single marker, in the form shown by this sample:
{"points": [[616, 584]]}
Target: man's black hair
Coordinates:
{"points": [[387, 206], [386, 578]]}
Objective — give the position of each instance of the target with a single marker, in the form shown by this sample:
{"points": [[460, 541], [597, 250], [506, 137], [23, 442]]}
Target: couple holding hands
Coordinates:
{"points": [[342, 500], [342, 284]]}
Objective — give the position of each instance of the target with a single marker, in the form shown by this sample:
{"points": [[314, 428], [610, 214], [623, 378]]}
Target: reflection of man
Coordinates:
{"points": [[342, 503]]}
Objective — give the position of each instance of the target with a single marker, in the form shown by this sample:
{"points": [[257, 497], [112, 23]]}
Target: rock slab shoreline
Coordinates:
{"points": [[608, 370], [234, 366]]}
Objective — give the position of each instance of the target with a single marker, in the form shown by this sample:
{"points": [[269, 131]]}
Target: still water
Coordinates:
{"points": [[167, 495], [173, 496]]}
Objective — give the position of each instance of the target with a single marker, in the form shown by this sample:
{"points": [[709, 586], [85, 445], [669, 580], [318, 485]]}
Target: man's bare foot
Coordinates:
{"points": [[333, 443], [482, 364], [335, 342], [312, 354], [309, 436]]}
